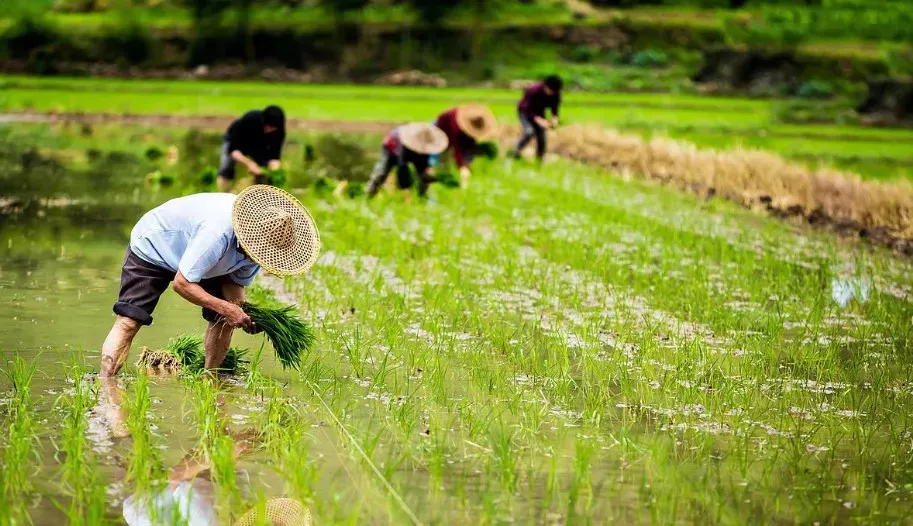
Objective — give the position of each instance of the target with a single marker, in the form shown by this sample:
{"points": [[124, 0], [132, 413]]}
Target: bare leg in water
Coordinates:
{"points": [[217, 342], [117, 345]]}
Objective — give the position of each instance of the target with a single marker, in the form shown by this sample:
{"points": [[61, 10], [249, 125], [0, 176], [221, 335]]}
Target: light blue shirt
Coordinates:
{"points": [[194, 235]]}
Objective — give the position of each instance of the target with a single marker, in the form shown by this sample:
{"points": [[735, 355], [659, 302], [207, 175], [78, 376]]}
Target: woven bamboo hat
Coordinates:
{"points": [[423, 138], [279, 512], [477, 121], [275, 230]]}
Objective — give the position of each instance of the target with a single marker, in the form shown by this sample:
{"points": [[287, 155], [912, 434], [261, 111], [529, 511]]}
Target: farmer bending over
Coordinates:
{"points": [[531, 110], [465, 127], [255, 140], [208, 247], [405, 145]]}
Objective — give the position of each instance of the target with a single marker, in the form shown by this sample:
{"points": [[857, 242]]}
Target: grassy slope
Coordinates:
{"points": [[715, 122]]}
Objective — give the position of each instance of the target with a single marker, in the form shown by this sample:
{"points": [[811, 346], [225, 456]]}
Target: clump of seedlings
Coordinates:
{"points": [[186, 354], [19, 451], [80, 477], [291, 337]]}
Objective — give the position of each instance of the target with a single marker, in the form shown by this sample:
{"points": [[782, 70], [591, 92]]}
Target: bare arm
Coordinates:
{"points": [[246, 161], [195, 294]]}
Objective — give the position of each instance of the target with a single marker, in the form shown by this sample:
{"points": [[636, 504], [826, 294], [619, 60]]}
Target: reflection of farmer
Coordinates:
{"points": [[405, 145], [255, 140], [208, 247], [536, 99], [189, 497], [465, 127]]}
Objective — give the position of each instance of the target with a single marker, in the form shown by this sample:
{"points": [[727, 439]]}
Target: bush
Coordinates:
{"points": [[584, 54], [815, 89], [650, 58]]}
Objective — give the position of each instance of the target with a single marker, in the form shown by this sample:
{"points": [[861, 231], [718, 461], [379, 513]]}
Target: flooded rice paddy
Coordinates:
{"points": [[553, 346]]}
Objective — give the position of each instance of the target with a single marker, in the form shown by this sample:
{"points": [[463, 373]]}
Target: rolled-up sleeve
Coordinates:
{"points": [[203, 252], [245, 275]]}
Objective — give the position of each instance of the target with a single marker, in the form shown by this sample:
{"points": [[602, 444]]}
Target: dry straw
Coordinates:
{"points": [[750, 177]]}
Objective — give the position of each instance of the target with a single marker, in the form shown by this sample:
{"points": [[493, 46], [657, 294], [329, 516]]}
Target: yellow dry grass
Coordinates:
{"points": [[749, 177]]}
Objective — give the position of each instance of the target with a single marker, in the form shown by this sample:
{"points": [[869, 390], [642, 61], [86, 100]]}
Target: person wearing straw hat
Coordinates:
{"points": [[255, 140], [404, 145], [465, 126], [531, 110], [208, 247]]}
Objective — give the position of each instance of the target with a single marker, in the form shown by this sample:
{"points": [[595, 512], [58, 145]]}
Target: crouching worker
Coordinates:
{"points": [[531, 110], [255, 140], [465, 127], [208, 247], [405, 145]]}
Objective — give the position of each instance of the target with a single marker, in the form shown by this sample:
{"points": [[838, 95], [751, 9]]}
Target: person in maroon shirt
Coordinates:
{"points": [[536, 99], [465, 126], [405, 145]]}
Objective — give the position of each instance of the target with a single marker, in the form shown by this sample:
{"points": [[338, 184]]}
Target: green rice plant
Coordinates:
{"points": [[19, 451], [80, 477], [144, 470], [153, 153], [291, 337]]}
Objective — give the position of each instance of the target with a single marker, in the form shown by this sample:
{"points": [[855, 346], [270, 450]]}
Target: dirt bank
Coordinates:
{"points": [[881, 213]]}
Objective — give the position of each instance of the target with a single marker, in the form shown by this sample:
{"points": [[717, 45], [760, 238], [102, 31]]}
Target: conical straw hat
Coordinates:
{"points": [[477, 121], [275, 230], [423, 138], [279, 512]]}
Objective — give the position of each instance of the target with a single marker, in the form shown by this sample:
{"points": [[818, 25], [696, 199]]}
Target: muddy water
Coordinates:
{"points": [[57, 285]]}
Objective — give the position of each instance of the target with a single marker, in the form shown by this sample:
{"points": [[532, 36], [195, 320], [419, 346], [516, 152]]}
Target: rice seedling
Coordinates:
{"points": [[186, 354], [144, 471], [19, 453], [79, 476], [291, 337]]}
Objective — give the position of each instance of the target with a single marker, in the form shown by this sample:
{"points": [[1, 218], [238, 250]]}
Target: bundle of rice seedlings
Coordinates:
{"points": [[186, 354], [447, 179], [488, 150], [276, 177], [291, 337], [208, 177]]}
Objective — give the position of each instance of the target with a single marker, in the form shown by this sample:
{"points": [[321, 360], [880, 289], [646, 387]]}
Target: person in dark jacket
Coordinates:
{"points": [[465, 126], [405, 145], [255, 140], [531, 110]]}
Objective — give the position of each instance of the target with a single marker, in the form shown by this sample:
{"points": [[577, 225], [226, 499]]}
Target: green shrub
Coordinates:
{"points": [[650, 58], [585, 53], [815, 89]]}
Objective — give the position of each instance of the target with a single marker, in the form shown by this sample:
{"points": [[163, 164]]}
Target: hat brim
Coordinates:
{"points": [[411, 137], [468, 113], [279, 511], [296, 258]]}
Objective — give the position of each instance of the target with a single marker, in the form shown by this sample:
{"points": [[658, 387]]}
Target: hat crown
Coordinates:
{"points": [[278, 227]]}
